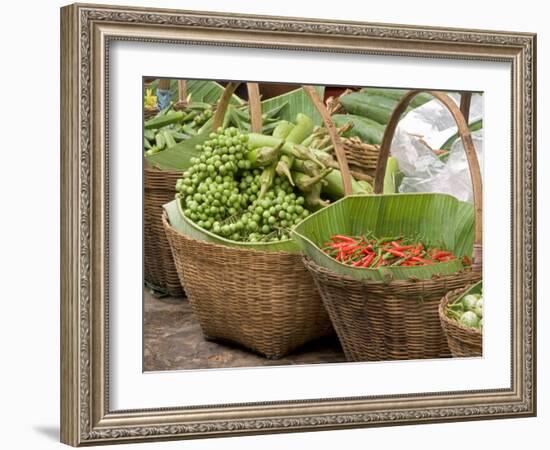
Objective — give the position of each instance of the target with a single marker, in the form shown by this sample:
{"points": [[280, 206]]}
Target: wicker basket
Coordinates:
{"points": [[159, 270], [397, 319], [265, 301], [377, 321], [462, 341], [149, 113]]}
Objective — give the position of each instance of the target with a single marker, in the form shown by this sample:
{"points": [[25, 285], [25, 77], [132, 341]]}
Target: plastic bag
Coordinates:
{"points": [[426, 129]]}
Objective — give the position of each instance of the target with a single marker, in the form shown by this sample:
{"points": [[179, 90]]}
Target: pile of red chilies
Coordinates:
{"points": [[370, 252]]}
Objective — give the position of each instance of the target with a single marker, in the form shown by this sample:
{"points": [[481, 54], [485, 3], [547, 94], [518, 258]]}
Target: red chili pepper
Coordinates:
{"points": [[343, 238], [397, 253], [368, 259], [441, 254]]}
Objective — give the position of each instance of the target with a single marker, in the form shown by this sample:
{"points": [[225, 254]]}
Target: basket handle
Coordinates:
{"points": [[223, 103], [334, 136], [255, 107], [465, 102], [469, 148]]}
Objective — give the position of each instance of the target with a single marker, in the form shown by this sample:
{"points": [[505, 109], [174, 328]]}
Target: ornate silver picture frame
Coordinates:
{"points": [[87, 31]]}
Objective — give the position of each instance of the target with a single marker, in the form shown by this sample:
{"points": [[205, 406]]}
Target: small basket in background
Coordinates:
{"points": [[463, 341]]}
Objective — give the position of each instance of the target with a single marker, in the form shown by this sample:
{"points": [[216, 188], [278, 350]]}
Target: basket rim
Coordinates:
{"points": [[166, 223], [450, 297], [308, 262]]}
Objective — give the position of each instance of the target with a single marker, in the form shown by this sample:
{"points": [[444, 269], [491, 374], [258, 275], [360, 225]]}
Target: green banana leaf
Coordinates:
{"points": [[177, 219], [439, 220], [201, 91], [397, 94], [297, 102], [178, 157]]}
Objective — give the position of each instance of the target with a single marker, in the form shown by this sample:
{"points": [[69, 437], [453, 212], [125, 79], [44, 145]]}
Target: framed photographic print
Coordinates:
{"points": [[277, 224]]}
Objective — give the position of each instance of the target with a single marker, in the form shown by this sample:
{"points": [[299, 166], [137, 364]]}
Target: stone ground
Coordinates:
{"points": [[173, 341]]}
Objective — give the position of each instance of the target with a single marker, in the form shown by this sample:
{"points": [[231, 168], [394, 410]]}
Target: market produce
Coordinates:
{"points": [[467, 311], [169, 127], [369, 251], [226, 192], [369, 131]]}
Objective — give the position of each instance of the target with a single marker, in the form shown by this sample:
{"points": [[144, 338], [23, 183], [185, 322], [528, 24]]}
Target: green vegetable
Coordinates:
{"points": [[283, 129], [397, 94], [365, 129], [168, 138], [264, 155], [305, 182], [220, 194], [162, 121], [334, 187], [373, 107], [160, 142], [149, 135], [469, 319], [470, 301]]}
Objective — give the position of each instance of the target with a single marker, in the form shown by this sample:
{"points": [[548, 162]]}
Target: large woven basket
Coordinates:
{"points": [[265, 301], [377, 321], [463, 341], [398, 319], [159, 269]]}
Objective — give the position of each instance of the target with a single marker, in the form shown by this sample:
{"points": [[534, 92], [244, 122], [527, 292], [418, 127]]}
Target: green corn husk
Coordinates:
{"points": [[390, 180], [334, 186], [263, 156], [266, 180], [439, 219], [313, 198], [307, 167], [283, 168], [182, 224], [305, 182], [283, 129]]}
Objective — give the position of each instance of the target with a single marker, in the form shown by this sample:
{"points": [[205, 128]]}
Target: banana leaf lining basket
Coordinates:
{"points": [[385, 318], [463, 341], [159, 269]]}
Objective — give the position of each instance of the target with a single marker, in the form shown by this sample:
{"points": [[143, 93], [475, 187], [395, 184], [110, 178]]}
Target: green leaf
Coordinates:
{"points": [[188, 228], [178, 157], [201, 91], [297, 102], [439, 219]]}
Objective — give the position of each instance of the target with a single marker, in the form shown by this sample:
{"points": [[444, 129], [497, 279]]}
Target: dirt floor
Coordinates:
{"points": [[173, 340]]}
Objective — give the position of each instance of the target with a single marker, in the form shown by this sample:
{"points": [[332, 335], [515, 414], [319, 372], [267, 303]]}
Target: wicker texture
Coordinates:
{"points": [[462, 341], [149, 113], [362, 157], [377, 321], [160, 272], [265, 301]]}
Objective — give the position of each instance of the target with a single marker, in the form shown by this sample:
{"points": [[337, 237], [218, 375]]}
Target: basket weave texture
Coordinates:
{"points": [[265, 301], [149, 113], [463, 341], [159, 269], [377, 321]]}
